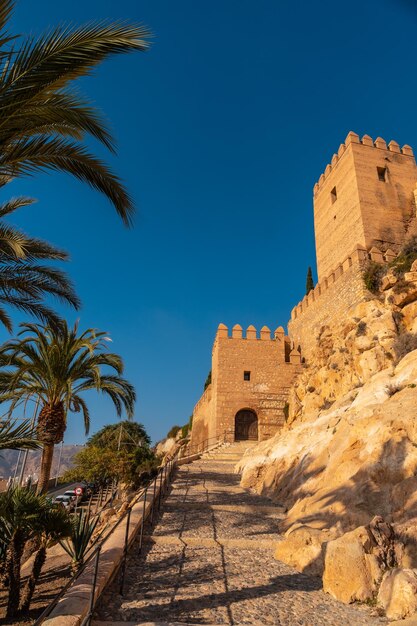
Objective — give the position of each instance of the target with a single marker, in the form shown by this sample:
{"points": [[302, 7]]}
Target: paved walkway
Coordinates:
{"points": [[209, 560]]}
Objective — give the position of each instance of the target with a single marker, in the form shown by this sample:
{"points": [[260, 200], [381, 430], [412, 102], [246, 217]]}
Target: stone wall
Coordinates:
{"points": [[365, 197], [204, 427], [333, 298]]}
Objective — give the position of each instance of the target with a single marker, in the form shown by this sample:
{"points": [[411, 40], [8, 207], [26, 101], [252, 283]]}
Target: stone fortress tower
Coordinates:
{"points": [[364, 209], [365, 197]]}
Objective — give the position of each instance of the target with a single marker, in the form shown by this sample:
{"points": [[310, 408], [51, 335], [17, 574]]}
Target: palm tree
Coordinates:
{"points": [[20, 512], [25, 280], [55, 365], [54, 524], [43, 119]]}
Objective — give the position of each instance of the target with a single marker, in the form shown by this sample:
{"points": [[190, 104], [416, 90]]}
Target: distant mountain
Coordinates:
{"points": [[9, 459]]}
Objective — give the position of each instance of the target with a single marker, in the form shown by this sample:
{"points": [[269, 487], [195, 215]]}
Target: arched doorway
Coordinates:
{"points": [[246, 425]]}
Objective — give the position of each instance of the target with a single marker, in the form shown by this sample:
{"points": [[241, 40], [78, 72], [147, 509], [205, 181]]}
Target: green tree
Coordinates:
{"points": [[309, 281], [55, 366], [25, 279], [54, 524], [98, 465], [208, 380], [95, 465], [125, 434], [43, 117]]}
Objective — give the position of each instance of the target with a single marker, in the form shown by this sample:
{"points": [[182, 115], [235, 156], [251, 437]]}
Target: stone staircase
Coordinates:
{"points": [[229, 452], [209, 560]]}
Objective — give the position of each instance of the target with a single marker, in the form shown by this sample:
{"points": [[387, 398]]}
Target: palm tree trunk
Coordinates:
{"points": [[46, 464], [16, 551], [38, 564]]}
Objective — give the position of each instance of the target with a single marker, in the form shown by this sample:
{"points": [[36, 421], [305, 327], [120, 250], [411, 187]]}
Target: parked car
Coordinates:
{"points": [[75, 497], [66, 501]]}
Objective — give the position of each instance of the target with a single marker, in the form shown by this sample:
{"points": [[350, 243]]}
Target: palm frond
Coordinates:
{"points": [[14, 436], [53, 153]]}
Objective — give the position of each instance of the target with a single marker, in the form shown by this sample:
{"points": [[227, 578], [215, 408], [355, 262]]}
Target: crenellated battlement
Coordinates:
{"points": [[251, 333], [359, 257], [379, 144]]}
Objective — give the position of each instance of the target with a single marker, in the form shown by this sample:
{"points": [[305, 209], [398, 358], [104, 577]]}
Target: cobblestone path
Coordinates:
{"points": [[209, 560]]}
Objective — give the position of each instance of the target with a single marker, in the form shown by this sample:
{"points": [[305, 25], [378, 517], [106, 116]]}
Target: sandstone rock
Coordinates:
{"points": [[351, 571], [410, 276], [410, 317], [404, 297], [407, 543], [388, 281], [398, 593], [355, 562], [303, 548]]}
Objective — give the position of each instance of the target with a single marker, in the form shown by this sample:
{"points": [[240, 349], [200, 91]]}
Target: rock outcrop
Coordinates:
{"points": [[348, 453], [398, 593], [356, 562]]}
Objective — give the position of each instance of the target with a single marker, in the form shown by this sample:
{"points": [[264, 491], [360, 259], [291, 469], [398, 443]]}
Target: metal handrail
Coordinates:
{"points": [[163, 475], [95, 553]]}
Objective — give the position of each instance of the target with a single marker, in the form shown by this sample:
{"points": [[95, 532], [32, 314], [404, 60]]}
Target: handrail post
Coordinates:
{"points": [[93, 590], [143, 520], [153, 499], [123, 568], [160, 489]]}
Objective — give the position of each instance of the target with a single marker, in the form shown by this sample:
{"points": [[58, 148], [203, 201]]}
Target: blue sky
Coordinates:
{"points": [[223, 128]]}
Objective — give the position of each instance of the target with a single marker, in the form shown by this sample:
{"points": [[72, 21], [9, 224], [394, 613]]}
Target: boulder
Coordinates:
{"points": [[355, 563], [388, 281], [410, 317], [303, 548], [398, 593], [401, 298]]}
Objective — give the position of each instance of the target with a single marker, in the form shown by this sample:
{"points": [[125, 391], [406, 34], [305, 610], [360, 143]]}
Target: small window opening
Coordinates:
{"points": [[246, 375], [333, 195], [382, 174]]}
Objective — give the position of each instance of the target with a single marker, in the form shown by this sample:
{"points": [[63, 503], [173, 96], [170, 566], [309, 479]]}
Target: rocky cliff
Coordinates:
{"points": [[345, 465]]}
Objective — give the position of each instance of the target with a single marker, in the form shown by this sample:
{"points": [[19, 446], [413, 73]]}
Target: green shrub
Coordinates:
{"points": [[408, 254], [173, 432], [372, 276], [361, 329], [286, 411], [404, 343], [326, 404], [185, 430]]}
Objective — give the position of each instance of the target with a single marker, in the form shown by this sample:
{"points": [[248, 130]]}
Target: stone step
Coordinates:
{"points": [[201, 542], [223, 457], [251, 509], [113, 623]]}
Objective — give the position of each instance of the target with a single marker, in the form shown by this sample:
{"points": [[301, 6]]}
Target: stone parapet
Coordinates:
{"points": [[359, 257], [332, 297], [251, 333], [366, 140]]}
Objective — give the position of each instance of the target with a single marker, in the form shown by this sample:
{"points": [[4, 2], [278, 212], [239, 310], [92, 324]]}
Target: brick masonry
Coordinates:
{"points": [[272, 368]]}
